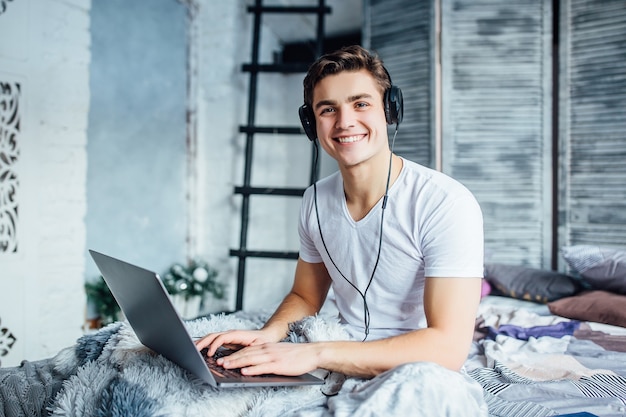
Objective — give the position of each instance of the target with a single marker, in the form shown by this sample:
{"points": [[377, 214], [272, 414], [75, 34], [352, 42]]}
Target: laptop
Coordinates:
{"points": [[147, 306]]}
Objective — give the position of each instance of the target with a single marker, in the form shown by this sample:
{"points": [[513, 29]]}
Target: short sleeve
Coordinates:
{"points": [[453, 244], [308, 251]]}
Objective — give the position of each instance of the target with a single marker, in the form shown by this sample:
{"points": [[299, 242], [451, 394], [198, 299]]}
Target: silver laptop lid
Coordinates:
{"points": [[147, 307]]}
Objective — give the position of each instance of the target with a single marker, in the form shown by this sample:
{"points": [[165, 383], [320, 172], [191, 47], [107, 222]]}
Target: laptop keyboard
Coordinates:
{"points": [[229, 373], [220, 370]]}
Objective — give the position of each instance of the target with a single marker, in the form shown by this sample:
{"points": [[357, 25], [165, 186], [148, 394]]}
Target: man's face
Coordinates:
{"points": [[350, 117]]}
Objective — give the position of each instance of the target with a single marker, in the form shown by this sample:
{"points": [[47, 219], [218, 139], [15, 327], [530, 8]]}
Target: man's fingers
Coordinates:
{"points": [[232, 339], [205, 341], [239, 359]]}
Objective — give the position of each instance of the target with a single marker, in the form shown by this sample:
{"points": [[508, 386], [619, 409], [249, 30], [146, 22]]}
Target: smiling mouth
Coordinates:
{"points": [[349, 139]]}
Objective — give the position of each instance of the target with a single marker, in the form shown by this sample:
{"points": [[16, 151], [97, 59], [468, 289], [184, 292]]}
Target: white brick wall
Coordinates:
{"points": [[41, 286]]}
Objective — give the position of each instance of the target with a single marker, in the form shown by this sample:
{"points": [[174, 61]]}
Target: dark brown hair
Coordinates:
{"points": [[348, 58]]}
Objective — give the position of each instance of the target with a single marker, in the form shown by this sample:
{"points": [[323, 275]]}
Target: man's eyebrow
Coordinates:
{"points": [[350, 99], [324, 103], [358, 97]]}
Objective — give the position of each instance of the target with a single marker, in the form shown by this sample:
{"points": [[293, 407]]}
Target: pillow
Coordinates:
{"points": [[485, 288], [601, 268], [596, 305], [530, 284]]}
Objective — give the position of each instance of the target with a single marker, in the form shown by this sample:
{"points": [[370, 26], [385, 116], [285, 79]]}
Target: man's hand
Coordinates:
{"points": [[257, 354], [273, 358], [233, 339], [258, 351]]}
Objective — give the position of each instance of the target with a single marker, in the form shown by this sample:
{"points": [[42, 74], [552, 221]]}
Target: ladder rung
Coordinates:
{"points": [[281, 130], [263, 254], [280, 68], [289, 192], [289, 9]]}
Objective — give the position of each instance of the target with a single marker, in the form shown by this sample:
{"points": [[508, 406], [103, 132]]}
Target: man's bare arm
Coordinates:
{"points": [[450, 304], [308, 293]]}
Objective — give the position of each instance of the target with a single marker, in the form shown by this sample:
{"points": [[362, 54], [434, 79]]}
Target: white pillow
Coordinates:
{"points": [[601, 268]]}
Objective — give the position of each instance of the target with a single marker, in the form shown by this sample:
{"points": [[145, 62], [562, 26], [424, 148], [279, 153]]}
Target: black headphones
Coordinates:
{"points": [[392, 102]]}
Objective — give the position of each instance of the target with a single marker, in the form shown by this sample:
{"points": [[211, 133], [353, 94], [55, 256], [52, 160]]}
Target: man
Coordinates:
{"points": [[400, 244]]}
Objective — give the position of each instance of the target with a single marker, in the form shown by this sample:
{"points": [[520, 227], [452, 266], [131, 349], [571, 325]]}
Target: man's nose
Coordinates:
{"points": [[345, 119]]}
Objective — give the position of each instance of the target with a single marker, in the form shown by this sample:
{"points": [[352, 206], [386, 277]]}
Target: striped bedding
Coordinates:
{"points": [[528, 362], [547, 375]]}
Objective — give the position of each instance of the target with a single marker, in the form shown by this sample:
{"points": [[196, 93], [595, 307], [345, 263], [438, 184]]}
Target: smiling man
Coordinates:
{"points": [[400, 244]]}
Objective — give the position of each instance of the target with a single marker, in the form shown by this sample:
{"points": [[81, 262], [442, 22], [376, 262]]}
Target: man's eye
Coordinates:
{"points": [[361, 105], [327, 110]]}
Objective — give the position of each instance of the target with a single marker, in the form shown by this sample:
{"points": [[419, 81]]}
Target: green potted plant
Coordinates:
{"points": [[187, 285]]}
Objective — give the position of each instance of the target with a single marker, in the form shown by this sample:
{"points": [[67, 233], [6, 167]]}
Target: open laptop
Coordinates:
{"points": [[147, 306]]}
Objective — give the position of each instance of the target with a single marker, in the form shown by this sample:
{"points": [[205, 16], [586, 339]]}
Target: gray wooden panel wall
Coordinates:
{"points": [[497, 103], [593, 123], [401, 32], [496, 114]]}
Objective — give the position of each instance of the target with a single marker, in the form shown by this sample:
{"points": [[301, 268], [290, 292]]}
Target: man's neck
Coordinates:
{"points": [[364, 184]]}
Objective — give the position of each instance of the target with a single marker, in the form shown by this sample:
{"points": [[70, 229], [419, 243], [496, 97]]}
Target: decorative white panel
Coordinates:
{"points": [[44, 100], [7, 340], [9, 155]]}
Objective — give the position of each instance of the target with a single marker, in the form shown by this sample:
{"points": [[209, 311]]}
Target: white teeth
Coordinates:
{"points": [[349, 139]]}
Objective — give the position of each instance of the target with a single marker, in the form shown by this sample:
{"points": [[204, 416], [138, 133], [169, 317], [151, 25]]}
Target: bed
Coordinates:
{"points": [[545, 344]]}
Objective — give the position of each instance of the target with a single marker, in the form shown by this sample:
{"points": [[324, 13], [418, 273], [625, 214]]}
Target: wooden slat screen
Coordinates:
{"points": [[496, 114], [497, 108], [593, 123], [400, 31]]}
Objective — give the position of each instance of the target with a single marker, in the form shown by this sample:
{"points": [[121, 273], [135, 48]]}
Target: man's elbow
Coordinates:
{"points": [[452, 353]]}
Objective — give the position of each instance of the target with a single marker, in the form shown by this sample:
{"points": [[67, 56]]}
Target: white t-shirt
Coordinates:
{"points": [[432, 228]]}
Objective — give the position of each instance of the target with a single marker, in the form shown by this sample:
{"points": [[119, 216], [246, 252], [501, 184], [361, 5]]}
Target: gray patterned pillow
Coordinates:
{"points": [[602, 268], [524, 283]]}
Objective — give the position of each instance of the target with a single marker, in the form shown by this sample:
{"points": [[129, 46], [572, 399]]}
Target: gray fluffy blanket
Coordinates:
{"points": [[109, 373]]}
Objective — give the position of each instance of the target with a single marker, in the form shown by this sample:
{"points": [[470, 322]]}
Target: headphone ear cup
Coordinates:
{"points": [[307, 118], [394, 105]]}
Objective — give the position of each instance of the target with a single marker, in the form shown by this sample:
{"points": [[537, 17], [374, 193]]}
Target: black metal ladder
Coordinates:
{"points": [[254, 68]]}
